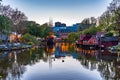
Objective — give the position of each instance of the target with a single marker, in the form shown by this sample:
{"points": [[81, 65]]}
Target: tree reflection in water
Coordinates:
{"points": [[13, 64], [106, 63]]}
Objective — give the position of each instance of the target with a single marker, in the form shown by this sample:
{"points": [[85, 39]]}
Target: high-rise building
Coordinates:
{"points": [[59, 24]]}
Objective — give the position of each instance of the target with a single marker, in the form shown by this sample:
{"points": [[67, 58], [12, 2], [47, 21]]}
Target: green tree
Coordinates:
{"points": [[110, 19], [73, 36], [32, 28], [38, 30], [29, 38], [45, 29], [117, 20], [5, 26], [92, 30], [105, 21]]}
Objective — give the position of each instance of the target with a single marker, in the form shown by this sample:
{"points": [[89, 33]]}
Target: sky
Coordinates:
{"points": [[65, 11]]}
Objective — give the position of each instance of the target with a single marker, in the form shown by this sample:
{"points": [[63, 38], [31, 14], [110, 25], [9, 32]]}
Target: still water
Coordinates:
{"points": [[62, 62]]}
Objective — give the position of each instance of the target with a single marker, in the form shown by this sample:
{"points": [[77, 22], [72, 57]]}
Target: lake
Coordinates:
{"points": [[60, 62]]}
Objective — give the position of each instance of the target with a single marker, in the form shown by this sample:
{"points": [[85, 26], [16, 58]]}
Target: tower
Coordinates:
{"points": [[50, 22]]}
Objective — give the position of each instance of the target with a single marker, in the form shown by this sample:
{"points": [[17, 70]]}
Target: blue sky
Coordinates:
{"points": [[67, 11]]}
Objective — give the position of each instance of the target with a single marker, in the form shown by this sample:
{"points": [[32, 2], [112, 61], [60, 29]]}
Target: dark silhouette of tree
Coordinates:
{"points": [[86, 21], [93, 20], [17, 17], [22, 27], [14, 14]]}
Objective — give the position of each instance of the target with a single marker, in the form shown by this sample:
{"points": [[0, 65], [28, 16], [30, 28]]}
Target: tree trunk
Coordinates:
{"points": [[119, 35]]}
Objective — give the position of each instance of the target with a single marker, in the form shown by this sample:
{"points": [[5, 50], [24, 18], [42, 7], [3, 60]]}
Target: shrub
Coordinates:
{"points": [[108, 34], [30, 43]]}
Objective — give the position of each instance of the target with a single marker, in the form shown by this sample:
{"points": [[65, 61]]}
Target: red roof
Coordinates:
{"points": [[87, 37], [92, 41]]}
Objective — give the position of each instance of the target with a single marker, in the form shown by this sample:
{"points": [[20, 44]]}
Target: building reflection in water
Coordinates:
{"points": [[13, 64], [107, 63]]}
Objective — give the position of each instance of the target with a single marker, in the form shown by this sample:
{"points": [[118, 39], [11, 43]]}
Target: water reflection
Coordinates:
{"points": [[60, 62]]}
